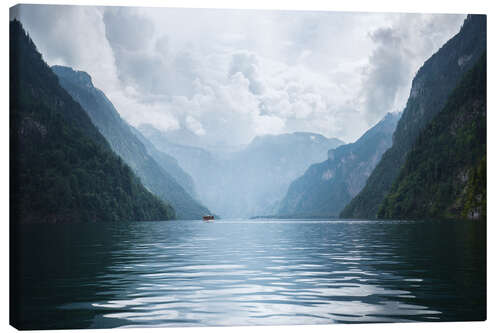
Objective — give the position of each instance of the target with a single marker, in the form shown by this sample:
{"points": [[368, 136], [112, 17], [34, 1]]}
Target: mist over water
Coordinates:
{"points": [[250, 272]]}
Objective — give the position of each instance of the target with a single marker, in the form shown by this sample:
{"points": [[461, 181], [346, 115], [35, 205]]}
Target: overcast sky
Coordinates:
{"points": [[228, 75]]}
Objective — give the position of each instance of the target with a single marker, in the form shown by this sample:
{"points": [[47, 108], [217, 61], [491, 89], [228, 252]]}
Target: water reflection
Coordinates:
{"points": [[185, 273]]}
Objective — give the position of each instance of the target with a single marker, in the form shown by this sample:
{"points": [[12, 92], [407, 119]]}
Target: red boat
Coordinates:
{"points": [[208, 218]]}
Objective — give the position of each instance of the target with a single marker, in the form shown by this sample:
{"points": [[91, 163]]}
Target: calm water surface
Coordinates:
{"points": [[249, 272]]}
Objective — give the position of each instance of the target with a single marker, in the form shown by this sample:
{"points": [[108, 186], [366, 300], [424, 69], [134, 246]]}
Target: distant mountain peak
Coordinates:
{"points": [[296, 134], [326, 187], [308, 134], [80, 76], [294, 137]]}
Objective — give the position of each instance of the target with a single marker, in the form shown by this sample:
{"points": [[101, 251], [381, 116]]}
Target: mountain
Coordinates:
{"points": [[253, 180], [327, 187], [168, 163], [263, 171], [430, 89], [127, 145], [62, 168], [445, 172]]}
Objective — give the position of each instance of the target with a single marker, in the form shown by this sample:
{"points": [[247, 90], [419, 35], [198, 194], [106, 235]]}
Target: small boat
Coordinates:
{"points": [[208, 218]]}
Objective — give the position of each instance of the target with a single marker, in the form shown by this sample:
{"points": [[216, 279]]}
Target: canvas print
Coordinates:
{"points": [[220, 167]]}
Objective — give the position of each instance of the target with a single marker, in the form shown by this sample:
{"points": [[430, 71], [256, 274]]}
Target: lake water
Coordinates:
{"points": [[248, 272]]}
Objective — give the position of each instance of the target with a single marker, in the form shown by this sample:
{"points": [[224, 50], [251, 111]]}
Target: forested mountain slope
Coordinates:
{"points": [[445, 173], [62, 168], [431, 87], [127, 145]]}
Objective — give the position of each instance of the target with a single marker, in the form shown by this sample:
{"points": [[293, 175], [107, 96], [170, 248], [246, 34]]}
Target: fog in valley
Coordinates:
{"points": [[249, 181]]}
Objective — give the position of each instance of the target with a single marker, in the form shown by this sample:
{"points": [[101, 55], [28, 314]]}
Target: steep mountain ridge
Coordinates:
{"points": [[431, 87], [169, 163], [444, 175], [327, 187], [126, 144], [62, 169]]}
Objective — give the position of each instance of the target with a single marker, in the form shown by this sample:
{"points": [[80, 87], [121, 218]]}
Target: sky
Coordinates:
{"points": [[226, 76]]}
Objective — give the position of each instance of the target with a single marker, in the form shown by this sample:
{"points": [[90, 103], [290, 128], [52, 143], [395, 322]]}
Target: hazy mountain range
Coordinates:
{"points": [[155, 170], [250, 181], [328, 186]]}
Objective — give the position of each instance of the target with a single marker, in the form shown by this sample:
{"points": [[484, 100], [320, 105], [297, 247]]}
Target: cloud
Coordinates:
{"points": [[247, 63], [387, 72], [225, 76], [400, 49], [126, 29], [72, 36]]}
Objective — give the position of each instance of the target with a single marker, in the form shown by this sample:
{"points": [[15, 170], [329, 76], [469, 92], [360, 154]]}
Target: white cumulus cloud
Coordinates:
{"points": [[225, 76]]}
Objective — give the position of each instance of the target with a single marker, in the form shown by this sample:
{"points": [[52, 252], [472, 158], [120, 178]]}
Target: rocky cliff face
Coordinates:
{"points": [[431, 87], [444, 175], [327, 187]]}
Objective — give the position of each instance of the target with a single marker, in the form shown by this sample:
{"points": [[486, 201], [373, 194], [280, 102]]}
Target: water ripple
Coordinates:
{"points": [[185, 273]]}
